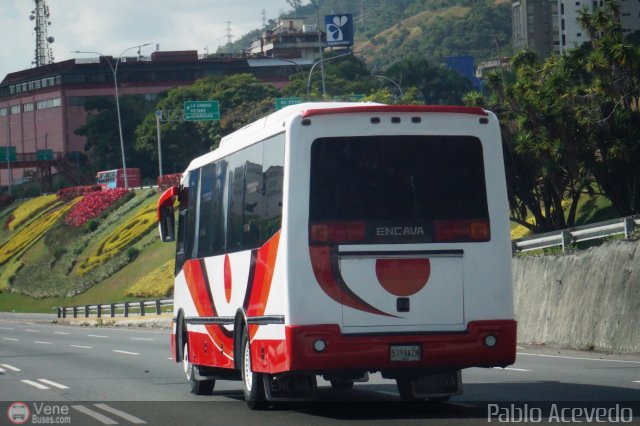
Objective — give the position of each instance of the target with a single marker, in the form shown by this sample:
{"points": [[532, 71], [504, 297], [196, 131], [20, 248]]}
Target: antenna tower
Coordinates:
{"points": [[229, 35], [44, 53]]}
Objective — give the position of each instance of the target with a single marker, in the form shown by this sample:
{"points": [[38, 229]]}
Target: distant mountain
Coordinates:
{"points": [[387, 31]]}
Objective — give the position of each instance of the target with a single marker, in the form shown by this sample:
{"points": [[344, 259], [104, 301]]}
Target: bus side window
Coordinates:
{"points": [[180, 242], [273, 179]]}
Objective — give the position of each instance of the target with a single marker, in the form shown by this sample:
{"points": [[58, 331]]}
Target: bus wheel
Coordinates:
{"points": [[198, 387], [252, 383], [406, 390], [339, 384]]}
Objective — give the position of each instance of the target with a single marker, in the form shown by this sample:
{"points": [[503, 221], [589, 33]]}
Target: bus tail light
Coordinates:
{"points": [[461, 230], [338, 232]]}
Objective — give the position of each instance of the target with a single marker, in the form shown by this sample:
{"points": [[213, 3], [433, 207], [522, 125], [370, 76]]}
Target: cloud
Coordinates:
{"points": [[111, 26]]}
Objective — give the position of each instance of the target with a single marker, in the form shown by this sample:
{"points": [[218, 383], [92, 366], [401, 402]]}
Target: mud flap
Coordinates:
{"points": [[290, 387], [437, 385]]}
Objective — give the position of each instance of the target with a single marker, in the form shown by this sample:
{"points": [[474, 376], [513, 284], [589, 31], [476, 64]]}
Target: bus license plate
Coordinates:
{"points": [[406, 353]]}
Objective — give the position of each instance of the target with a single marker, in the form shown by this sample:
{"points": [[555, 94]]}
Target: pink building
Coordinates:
{"points": [[40, 108]]}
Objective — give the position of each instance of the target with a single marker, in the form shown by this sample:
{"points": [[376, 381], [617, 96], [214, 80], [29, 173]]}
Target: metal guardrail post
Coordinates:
{"points": [[59, 312], [566, 240], [99, 311], [629, 225], [75, 312], [86, 311], [126, 309], [158, 307], [141, 308], [113, 310]]}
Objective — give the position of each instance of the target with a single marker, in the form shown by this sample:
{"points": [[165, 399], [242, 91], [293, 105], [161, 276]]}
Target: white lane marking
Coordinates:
{"points": [[96, 335], [10, 367], [2, 370], [142, 338], [636, 381], [6, 328], [99, 417], [49, 382], [80, 346], [34, 384], [61, 332], [579, 358], [122, 414], [125, 352], [9, 338], [42, 343], [509, 368], [33, 331]]}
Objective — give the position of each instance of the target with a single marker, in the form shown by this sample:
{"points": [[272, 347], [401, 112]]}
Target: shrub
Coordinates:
{"points": [[158, 283], [92, 225], [58, 252], [68, 194], [132, 253], [167, 181]]}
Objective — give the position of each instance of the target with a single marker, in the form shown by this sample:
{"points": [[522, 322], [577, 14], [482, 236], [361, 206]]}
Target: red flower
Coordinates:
{"points": [[92, 205]]}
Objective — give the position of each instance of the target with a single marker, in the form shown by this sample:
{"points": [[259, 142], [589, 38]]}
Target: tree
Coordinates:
{"points": [[243, 99], [101, 131]]}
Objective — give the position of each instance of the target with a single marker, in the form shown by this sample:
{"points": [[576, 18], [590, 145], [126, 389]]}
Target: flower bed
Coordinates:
{"points": [[126, 234], [31, 233], [28, 209], [159, 283], [68, 194], [92, 205]]}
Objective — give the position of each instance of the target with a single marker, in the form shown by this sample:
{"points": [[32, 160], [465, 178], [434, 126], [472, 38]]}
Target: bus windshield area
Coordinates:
{"points": [[399, 187]]}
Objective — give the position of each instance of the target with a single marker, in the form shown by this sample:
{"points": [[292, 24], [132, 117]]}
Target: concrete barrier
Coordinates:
{"points": [[583, 300]]}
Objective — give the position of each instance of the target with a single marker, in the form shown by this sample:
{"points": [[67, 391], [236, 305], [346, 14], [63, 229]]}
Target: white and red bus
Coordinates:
{"points": [[110, 179], [342, 239]]}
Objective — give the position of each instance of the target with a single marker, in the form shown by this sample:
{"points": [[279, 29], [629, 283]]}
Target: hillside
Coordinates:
{"points": [[80, 249], [433, 29]]}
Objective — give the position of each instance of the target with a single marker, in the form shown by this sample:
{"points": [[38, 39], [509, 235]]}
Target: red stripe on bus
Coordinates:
{"points": [[332, 284], [396, 108], [262, 278]]}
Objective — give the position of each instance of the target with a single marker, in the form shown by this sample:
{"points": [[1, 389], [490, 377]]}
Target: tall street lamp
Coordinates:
{"points": [[316, 3], [393, 82], [321, 61], [114, 70]]}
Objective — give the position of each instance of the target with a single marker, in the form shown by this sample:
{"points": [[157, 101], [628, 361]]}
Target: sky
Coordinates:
{"points": [[111, 26]]}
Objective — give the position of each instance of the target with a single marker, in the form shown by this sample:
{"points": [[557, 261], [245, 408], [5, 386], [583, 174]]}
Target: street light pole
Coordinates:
{"points": [[324, 86], [114, 71], [394, 83], [322, 61]]}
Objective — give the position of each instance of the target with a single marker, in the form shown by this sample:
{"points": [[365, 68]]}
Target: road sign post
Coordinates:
{"points": [[201, 110]]}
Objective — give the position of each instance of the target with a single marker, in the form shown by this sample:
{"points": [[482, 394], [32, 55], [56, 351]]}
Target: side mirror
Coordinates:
{"points": [[166, 218]]}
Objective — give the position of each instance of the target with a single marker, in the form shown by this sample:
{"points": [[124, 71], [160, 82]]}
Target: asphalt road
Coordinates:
{"points": [[101, 375]]}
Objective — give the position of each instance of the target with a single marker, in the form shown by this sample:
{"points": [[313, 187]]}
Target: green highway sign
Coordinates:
{"points": [[7, 151], [284, 102], [44, 154], [201, 110]]}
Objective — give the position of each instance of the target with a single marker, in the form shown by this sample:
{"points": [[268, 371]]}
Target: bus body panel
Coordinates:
{"points": [[360, 299]]}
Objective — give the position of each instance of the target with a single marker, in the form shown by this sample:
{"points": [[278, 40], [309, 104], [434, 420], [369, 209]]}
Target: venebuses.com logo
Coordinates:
{"points": [[19, 413]]}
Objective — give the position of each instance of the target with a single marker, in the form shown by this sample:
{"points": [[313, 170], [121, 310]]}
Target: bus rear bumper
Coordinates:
{"points": [[471, 348]]}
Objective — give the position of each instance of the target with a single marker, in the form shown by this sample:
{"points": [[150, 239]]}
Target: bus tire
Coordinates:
{"points": [[198, 387], [340, 384], [252, 383], [406, 391]]}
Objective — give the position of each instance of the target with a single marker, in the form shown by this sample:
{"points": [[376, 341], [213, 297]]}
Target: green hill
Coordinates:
{"points": [[386, 31]]}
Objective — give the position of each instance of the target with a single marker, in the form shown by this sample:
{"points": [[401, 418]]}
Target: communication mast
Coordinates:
{"points": [[229, 34], [40, 14]]}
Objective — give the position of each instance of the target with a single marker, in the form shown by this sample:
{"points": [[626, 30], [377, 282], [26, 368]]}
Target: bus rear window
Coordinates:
{"points": [[398, 189]]}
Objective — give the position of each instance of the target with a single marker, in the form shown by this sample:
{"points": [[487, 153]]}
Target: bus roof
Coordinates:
{"points": [[275, 122]]}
